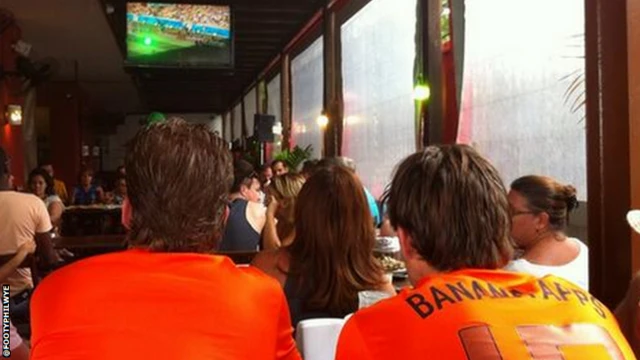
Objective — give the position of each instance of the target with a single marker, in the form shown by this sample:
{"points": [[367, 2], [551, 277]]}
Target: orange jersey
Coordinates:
{"points": [[481, 314], [141, 305]]}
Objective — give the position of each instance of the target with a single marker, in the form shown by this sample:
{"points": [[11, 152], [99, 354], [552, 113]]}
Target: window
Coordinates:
{"points": [[378, 53], [518, 108], [274, 106], [250, 110], [307, 97], [237, 122], [227, 126]]}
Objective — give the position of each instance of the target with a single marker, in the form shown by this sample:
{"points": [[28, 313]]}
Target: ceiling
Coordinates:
{"points": [[83, 35]]}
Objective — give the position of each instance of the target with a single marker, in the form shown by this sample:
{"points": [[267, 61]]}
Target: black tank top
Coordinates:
{"points": [[239, 235]]}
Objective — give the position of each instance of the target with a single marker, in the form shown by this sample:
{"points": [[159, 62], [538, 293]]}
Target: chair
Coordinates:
{"points": [[317, 338]]}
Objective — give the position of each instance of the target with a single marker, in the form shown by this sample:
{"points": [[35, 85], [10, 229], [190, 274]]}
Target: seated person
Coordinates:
{"points": [[17, 348], [350, 164], [540, 208], [266, 174], [41, 185], [452, 216], [119, 193], [59, 186], [331, 258], [247, 214], [24, 220], [279, 167], [279, 229], [215, 309], [86, 193]]}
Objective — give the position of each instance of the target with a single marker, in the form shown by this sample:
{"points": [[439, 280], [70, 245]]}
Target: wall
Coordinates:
{"points": [[114, 150], [11, 138], [62, 101]]}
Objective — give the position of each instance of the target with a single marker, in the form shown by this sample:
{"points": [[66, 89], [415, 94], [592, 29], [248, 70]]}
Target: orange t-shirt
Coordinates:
{"points": [[141, 305], [482, 314]]}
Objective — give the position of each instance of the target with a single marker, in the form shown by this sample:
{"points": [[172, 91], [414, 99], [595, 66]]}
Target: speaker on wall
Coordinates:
{"points": [[263, 127]]}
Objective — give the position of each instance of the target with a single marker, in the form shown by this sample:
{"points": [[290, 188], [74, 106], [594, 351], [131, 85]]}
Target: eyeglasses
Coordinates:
{"points": [[515, 213]]}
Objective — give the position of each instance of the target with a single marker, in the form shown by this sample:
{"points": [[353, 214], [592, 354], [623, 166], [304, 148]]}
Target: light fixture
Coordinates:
{"points": [[421, 92], [14, 114], [322, 121], [277, 128]]}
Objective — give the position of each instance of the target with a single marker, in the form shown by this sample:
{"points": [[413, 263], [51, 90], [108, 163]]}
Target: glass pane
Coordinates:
{"points": [[379, 109], [307, 97], [250, 110], [274, 107], [237, 122]]}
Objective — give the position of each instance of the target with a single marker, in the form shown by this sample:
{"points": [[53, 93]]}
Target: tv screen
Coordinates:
{"points": [[162, 34]]}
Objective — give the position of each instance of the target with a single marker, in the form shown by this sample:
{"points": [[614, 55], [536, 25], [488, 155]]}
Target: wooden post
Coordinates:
{"points": [[633, 48], [608, 148], [332, 103], [429, 11]]}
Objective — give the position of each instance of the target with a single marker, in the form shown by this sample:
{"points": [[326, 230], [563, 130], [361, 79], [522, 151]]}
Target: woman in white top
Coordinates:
{"points": [[41, 185], [540, 208]]}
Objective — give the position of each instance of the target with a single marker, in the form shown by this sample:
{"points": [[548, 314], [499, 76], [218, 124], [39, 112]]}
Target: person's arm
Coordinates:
{"points": [[72, 199], [285, 345], [256, 216], [9, 267], [270, 232], [55, 212], [44, 245], [100, 193]]}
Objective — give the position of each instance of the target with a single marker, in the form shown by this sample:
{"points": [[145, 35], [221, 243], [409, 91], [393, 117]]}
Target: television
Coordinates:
{"points": [[179, 35]]}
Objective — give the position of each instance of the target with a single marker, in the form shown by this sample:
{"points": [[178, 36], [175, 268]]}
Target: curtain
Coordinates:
{"points": [[523, 87], [307, 97], [378, 52], [250, 110]]}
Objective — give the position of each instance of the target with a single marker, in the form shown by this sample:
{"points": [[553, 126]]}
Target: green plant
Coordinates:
{"points": [[295, 157]]}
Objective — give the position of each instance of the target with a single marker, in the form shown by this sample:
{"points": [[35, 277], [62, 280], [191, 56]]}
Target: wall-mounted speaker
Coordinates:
{"points": [[263, 127]]}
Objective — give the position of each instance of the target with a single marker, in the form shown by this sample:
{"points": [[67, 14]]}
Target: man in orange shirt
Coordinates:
{"points": [[165, 298], [450, 210]]}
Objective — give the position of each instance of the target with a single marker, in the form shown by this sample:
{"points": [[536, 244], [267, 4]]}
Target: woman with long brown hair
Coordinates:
{"points": [[331, 259], [279, 229]]}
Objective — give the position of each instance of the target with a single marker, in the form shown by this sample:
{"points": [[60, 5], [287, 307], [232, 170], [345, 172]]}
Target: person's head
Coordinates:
{"points": [[86, 177], [5, 170], [121, 171], [450, 209], [41, 183], [266, 174], [120, 186], [178, 179], [308, 168], [285, 189], [279, 167], [245, 181], [48, 167], [539, 205], [342, 161], [333, 248]]}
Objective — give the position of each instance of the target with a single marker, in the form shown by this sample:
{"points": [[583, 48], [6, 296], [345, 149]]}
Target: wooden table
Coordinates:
{"points": [[92, 220]]}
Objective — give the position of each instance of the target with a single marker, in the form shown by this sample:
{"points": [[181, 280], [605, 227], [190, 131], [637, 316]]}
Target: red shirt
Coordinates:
{"points": [[481, 314], [141, 305]]}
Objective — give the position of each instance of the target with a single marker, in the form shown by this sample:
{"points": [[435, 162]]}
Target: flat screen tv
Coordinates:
{"points": [[179, 35]]}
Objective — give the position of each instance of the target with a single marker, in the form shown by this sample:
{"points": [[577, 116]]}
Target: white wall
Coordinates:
{"points": [[114, 151]]}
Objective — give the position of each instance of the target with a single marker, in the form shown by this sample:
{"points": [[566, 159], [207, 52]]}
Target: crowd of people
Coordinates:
{"points": [[216, 16], [493, 273]]}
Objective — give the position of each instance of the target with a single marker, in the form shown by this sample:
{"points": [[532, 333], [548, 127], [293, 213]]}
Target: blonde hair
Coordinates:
{"points": [[285, 189]]}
